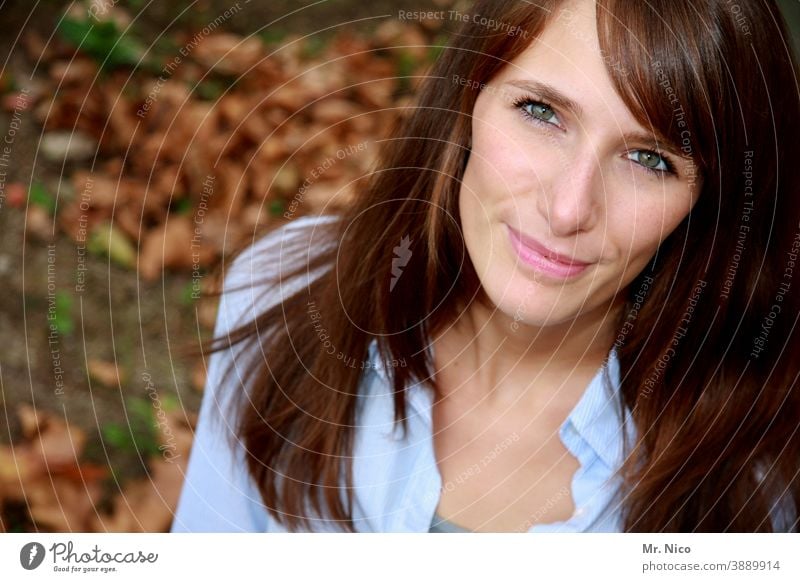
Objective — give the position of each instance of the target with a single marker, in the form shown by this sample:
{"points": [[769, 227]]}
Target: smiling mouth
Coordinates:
{"points": [[543, 259]]}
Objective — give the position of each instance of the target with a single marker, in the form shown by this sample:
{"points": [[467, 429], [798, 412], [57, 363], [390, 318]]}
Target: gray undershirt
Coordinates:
{"points": [[439, 525]]}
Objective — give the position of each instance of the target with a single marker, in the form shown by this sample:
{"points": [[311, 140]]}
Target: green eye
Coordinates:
{"points": [[650, 160], [542, 111], [539, 111]]}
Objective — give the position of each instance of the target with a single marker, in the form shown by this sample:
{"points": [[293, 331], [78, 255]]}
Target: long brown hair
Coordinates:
{"points": [[705, 362]]}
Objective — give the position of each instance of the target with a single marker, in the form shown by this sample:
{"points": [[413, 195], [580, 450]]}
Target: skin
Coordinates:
{"points": [[577, 180]]}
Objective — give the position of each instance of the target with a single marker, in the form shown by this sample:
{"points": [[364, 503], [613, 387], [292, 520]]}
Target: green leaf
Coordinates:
{"points": [[181, 206], [116, 436], [272, 36], [140, 409], [39, 196], [63, 314], [210, 89], [169, 402], [102, 41], [277, 207], [140, 435], [188, 293], [8, 82], [406, 65]]}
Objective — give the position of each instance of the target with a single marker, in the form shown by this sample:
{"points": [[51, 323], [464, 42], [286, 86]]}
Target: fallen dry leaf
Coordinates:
{"points": [[148, 504], [229, 53], [106, 373], [62, 505], [166, 247], [38, 223], [73, 71]]}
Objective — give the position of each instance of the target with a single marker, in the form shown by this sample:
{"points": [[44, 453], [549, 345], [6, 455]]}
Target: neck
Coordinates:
{"points": [[494, 354]]}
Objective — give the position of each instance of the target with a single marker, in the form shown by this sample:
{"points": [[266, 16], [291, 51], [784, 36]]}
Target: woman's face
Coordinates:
{"points": [[558, 160]]}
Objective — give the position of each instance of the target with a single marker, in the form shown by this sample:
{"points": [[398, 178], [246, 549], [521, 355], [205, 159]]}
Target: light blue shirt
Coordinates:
{"points": [[397, 482]]}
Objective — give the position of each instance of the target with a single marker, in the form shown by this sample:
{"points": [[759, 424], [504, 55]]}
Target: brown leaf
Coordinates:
{"points": [[36, 47], [58, 444], [51, 445], [38, 223], [331, 111], [166, 184], [233, 108], [17, 467], [260, 178], [377, 92], [256, 126], [98, 190], [28, 419], [162, 101], [122, 120], [325, 196], [169, 246], [229, 53], [288, 97], [106, 373], [62, 505], [146, 505], [128, 221], [270, 150], [232, 189], [218, 231], [78, 71], [387, 33], [253, 215]]}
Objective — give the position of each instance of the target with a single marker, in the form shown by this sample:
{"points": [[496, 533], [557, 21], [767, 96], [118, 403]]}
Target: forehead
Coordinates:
{"points": [[567, 56]]}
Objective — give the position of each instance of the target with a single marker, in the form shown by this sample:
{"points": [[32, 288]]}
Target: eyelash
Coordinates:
{"points": [[522, 102]]}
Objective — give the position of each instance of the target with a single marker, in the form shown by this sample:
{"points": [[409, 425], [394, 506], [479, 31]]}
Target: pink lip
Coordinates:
{"points": [[543, 259]]}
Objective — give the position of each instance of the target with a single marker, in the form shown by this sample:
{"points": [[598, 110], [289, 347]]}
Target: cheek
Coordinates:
{"points": [[639, 223], [501, 162], [489, 164]]}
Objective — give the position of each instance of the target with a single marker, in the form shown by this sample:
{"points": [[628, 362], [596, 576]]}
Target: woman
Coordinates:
{"points": [[567, 282]]}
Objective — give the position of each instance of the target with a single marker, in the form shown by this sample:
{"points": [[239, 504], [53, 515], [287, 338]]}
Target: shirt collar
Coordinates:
{"points": [[596, 415]]}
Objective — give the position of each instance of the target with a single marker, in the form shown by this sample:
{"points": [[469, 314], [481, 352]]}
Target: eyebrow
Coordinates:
{"points": [[555, 97], [549, 94]]}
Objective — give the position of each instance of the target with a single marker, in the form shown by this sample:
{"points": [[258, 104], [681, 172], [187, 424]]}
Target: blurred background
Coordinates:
{"points": [[142, 142]]}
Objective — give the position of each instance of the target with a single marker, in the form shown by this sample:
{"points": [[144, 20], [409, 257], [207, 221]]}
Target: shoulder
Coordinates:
{"points": [[304, 230], [218, 493], [250, 281]]}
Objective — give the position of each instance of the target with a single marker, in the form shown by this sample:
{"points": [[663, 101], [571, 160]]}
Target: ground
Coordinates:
{"points": [[116, 317]]}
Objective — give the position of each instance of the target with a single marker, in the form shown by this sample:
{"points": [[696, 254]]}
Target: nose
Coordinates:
{"points": [[570, 201]]}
